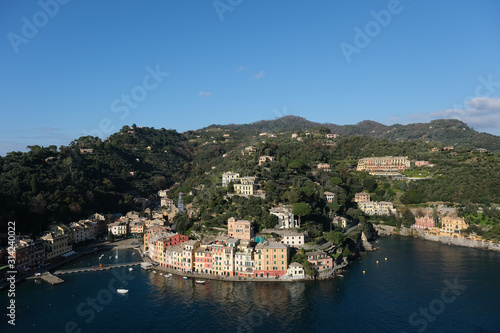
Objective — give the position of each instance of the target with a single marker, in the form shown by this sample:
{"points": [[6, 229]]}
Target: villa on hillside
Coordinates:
{"points": [[286, 219]]}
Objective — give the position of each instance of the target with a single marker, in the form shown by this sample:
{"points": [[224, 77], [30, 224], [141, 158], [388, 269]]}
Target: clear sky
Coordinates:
{"points": [[72, 68]]}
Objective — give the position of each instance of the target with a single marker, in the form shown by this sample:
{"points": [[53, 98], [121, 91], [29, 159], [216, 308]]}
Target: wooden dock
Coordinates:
{"points": [[95, 268]]}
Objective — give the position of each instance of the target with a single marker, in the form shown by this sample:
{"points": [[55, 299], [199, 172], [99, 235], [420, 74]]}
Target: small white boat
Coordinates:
{"points": [[185, 277], [340, 275], [130, 269], [116, 256], [200, 281], [122, 291], [154, 271], [161, 273], [102, 255], [146, 265], [168, 275], [109, 257]]}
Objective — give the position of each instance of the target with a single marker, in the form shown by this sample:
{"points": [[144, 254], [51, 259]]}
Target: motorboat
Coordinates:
{"points": [[146, 265], [185, 277], [168, 275], [122, 291], [130, 269], [200, 281]]}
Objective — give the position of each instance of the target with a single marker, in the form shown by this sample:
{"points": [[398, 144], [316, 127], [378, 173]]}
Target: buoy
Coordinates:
{"points": [[363, 272], [385, 259], [377, 261]]}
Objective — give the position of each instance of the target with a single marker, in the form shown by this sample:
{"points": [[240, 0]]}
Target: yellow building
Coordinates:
{"points": [[386, 163], [271, 259], [452, 226], [55, 245]]}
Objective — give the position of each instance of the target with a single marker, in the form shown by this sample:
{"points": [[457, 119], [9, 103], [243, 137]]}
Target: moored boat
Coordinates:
{"points": [[146, 265], [200, 281], [185, 277], [122, 291]]}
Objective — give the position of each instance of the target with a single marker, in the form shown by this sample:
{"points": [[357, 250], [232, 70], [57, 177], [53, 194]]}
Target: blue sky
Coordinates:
{"points": [[72, 68]]}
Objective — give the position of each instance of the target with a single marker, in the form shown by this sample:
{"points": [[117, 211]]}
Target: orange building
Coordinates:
{"points": [[241, 229], [271, 259]]}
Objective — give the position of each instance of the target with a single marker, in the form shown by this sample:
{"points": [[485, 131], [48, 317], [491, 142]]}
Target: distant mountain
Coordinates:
{"points": [[449, 132]]}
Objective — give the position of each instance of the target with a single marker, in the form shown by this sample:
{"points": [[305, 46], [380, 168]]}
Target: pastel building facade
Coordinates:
{"points": [[296, 271], [329, 196], [425, 222], [271, 259], [383, 164], [320, 260], [377, 208], [293, 239], [241, 229], [324, 167], [452, 226]]}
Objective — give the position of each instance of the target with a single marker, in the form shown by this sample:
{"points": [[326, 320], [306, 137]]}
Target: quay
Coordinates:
{"points": [[50, 278], [95, 268]]}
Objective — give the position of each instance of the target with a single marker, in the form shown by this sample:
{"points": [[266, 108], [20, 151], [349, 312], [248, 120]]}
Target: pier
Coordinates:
{"points": [[95, 268], [50, 278]]}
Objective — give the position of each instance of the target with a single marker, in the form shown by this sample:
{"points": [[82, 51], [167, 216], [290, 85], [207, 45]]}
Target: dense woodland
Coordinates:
{"points": [[62, 184]]}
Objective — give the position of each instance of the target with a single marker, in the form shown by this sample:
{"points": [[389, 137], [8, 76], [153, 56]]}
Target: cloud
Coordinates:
{"points": [[240, 69], [259, 75], [481, 113], [206, 94], [485, 103]]}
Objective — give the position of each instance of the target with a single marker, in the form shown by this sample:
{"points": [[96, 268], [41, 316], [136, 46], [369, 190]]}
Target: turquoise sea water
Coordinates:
{"points": [[406, 293]]}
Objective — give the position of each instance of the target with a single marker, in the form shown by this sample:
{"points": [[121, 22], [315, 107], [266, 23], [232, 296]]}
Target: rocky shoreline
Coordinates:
{"points": [[385, 230]]}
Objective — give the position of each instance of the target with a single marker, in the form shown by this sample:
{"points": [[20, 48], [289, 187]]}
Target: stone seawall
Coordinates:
{"points": [[386, 230]]}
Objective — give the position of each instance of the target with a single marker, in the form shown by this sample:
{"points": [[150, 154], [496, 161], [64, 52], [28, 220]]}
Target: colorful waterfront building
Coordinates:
{"points": [[188, 254], [203, 259], [244, 264], [320, 260], [452, 226], [271, 259]]}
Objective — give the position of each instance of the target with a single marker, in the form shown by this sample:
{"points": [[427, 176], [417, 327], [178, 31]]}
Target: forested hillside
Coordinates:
{"points": [[67, 183]]}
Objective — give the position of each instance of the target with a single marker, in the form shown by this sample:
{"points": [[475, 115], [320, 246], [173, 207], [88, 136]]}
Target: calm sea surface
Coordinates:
{"points": [[406, 293]]}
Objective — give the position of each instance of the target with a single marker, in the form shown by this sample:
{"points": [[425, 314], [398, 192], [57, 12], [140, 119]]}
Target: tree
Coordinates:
{"points": [[230, 187], [111, 237], [335, 181], [336, 237], [301, 209]]}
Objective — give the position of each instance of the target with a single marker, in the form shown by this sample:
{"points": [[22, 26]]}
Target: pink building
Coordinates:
{"points": [[421, 163], [425, 222], [324, 167], [362, 196], [320, 260], [203, 260]]}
